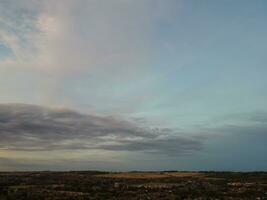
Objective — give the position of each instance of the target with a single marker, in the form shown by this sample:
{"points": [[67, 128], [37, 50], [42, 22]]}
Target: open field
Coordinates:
{"points": [[151, 175]]}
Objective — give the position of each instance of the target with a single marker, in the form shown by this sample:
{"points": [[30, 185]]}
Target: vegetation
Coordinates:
{"points": [[132, 185]]}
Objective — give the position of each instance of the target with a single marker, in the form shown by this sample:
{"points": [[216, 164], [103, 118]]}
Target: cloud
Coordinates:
{"points": [[36, 128], [11, 164], [17, 21], [71, 36], [67, 41], [40, 130]]}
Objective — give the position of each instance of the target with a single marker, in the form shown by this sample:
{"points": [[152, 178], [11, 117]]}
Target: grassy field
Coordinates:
{"points": [[150, 175]]}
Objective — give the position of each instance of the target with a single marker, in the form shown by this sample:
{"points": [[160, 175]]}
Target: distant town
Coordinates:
{"points": [[171, 185]]}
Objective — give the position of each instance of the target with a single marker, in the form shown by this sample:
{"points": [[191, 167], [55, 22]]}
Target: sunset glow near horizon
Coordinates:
{"points": [[133, 85]]}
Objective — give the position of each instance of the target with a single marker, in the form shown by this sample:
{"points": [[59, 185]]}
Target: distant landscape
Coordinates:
{"points": [[169, 185], [133, 100]]}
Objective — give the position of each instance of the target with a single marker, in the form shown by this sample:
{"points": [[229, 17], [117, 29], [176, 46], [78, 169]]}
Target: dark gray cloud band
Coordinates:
{"points": [[37, 128]]}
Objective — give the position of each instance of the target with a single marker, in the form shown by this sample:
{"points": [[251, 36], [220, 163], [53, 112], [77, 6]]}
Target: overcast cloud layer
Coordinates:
{"points": [[35, 128], [31, 128]]}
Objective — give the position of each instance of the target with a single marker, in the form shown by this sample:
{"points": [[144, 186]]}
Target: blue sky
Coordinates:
{"points": [[191, 73]]}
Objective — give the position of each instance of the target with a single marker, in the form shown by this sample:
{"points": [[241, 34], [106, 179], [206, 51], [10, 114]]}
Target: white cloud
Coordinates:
{"points": [[69, 36]]}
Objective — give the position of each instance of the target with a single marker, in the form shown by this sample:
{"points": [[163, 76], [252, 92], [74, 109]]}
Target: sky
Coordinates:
{"points": [[133, 85]]}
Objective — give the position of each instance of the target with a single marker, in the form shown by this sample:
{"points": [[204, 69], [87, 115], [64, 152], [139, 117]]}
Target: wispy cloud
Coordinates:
{"points": [[79, 35], [60, 41]]}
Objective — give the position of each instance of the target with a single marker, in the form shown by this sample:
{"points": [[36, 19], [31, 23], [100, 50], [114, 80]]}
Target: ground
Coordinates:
{"points": [[94, 185]]}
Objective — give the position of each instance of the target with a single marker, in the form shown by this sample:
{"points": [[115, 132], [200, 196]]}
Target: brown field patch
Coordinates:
{"points": [[150, 175]]}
